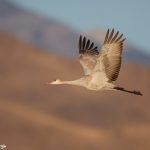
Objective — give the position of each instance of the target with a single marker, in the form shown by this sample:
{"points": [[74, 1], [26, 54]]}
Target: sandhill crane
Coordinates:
{"points": [[101, 69]]}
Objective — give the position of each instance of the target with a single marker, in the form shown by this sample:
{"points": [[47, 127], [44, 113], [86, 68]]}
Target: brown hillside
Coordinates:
{"points": [[37, 116]]}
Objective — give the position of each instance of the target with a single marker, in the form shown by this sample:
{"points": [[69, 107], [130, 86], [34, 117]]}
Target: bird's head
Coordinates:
{"points": [[56, 81]]}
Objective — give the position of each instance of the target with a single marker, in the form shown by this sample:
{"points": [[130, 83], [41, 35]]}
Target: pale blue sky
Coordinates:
{"points": [[132, 17]]}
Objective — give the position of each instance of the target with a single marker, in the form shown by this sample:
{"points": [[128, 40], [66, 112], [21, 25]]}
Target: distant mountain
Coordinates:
{"points": [[52, 35], [35, 29]]}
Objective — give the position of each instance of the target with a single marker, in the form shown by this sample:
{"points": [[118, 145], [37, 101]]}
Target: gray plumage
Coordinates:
{"points": [[101, 67]]}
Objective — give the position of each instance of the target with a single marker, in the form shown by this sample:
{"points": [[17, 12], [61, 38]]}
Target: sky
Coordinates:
{"points": [[131, 17]]}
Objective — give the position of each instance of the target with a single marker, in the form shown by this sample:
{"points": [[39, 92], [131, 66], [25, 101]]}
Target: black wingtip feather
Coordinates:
{"points": [[106, 37], [111, 37], [87, 44], [123, 40], [80, 41], [91, 46], [86, 47], [117, 40], [115, 36], [83, 43]]}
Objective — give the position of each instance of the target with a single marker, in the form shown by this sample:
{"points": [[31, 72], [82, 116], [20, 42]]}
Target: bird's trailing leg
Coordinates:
{"points": [[133, 92]]}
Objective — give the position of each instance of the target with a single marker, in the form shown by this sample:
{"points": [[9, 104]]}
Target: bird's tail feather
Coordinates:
{"points": [[133, 92]]}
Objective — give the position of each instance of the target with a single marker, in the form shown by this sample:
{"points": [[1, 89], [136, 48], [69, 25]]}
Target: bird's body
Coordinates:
{"points": [[101, 68], [91, 82], [97, 81]]}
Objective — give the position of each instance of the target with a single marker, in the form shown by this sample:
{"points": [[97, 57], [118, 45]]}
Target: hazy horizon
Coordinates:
{"points": [[130, 17]]}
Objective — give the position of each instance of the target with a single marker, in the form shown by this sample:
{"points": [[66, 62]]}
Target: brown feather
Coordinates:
{"points": [[110, 54]]}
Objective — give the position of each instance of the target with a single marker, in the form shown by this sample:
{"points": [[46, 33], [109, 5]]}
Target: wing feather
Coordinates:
{"points": [[87, 54], [87, 44], [110, 37], [110, 55], [106, 37]]}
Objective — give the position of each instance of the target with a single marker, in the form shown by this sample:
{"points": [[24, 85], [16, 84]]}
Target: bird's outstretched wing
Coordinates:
{"points": [[110, 54], [87, 53]]}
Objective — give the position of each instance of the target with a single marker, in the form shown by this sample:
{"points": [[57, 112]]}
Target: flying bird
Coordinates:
{"points": [[101, 68]]}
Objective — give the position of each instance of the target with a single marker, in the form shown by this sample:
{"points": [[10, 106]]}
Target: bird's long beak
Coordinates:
{"points": [[57, 81]]}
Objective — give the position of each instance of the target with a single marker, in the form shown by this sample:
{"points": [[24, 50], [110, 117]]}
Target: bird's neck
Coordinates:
{"points": [[78, 82]]}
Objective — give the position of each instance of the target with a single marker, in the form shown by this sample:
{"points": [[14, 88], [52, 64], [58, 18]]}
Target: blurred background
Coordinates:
{"points": [[38, 43]]}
